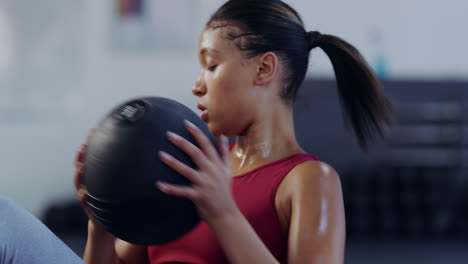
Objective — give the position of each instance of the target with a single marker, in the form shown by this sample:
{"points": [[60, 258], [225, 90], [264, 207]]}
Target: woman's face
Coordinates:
{"points": [[226, 84]]}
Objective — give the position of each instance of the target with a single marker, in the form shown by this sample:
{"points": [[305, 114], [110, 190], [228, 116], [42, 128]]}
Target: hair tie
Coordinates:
{"points": [[313, 38]]}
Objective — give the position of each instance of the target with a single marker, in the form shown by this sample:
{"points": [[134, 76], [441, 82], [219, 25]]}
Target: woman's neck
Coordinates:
{"points": [[269, 138]]}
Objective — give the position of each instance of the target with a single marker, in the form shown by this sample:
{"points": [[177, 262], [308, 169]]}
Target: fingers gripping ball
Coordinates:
{"points": [[122, 166]]}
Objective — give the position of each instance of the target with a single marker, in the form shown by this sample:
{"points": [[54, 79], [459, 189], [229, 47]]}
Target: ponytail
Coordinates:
{"points": [[361, 94]]}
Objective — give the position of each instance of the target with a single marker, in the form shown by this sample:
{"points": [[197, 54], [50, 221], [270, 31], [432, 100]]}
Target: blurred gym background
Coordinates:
{"points": [[65, 63]]}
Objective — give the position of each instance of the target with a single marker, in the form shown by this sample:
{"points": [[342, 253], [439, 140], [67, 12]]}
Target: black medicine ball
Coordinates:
{"points": [[122, 166]]}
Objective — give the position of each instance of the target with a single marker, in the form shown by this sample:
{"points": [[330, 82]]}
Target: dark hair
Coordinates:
{"points": [[271, 25]]}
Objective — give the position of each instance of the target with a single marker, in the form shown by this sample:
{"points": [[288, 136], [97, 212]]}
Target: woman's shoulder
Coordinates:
{"points": [[312, 175], [313, 168]]}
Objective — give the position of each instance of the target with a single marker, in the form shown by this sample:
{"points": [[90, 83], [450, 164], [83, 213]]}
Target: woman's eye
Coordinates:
{"points": [[212, 68]]}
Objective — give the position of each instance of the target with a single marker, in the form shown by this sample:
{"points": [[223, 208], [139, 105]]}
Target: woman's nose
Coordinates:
{"points": [[198, 88]]}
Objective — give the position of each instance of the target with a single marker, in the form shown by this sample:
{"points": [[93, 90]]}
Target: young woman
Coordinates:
{"points": [[264, 200]]}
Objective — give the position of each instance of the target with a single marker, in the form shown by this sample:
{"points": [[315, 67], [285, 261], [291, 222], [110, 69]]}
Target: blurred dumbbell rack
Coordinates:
{"points": [[416, 188], [414, 183]]}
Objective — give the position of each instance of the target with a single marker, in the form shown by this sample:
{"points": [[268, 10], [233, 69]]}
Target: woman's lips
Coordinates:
{"points": [[201, 107], [204, 115]]}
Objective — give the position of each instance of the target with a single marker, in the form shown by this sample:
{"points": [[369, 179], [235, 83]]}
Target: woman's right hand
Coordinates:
{"points": [[93, 225], [102, 246]]}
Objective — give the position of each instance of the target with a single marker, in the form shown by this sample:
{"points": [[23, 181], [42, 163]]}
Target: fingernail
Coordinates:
{"points": [[173, 135], [226, 144], [189, 124], [164, 155], [163, 186]]}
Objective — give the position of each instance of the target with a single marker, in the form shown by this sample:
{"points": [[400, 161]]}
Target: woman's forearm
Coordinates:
{"points": [[240, 242], [100, 247]]}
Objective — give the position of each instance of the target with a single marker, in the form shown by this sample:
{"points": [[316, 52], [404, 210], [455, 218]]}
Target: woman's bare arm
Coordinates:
{"points": [[103, 248], [316, 214], [131, 254]]}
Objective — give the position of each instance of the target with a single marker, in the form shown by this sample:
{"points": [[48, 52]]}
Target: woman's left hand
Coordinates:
{"points": [[211, 183]]}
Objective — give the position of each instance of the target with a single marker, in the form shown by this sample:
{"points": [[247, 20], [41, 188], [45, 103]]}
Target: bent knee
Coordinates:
{"points": [[7, 203], [11, 211]]}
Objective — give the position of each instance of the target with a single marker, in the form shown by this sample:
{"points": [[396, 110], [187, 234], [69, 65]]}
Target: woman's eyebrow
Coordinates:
{"points": [[208, 50]]}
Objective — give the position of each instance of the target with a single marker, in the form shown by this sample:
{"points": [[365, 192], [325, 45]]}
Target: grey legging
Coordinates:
{"points": [[24, 239]]}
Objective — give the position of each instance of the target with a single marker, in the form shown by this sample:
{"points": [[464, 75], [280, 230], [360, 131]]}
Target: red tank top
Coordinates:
{"points": [[254, 193]]}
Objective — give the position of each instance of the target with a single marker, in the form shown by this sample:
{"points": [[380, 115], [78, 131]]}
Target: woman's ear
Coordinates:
{"points": [[267, 66]]}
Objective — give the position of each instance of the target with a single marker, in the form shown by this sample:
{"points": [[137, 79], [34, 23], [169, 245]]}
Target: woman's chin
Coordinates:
{"points": [[214, 129], [215, 132]]}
